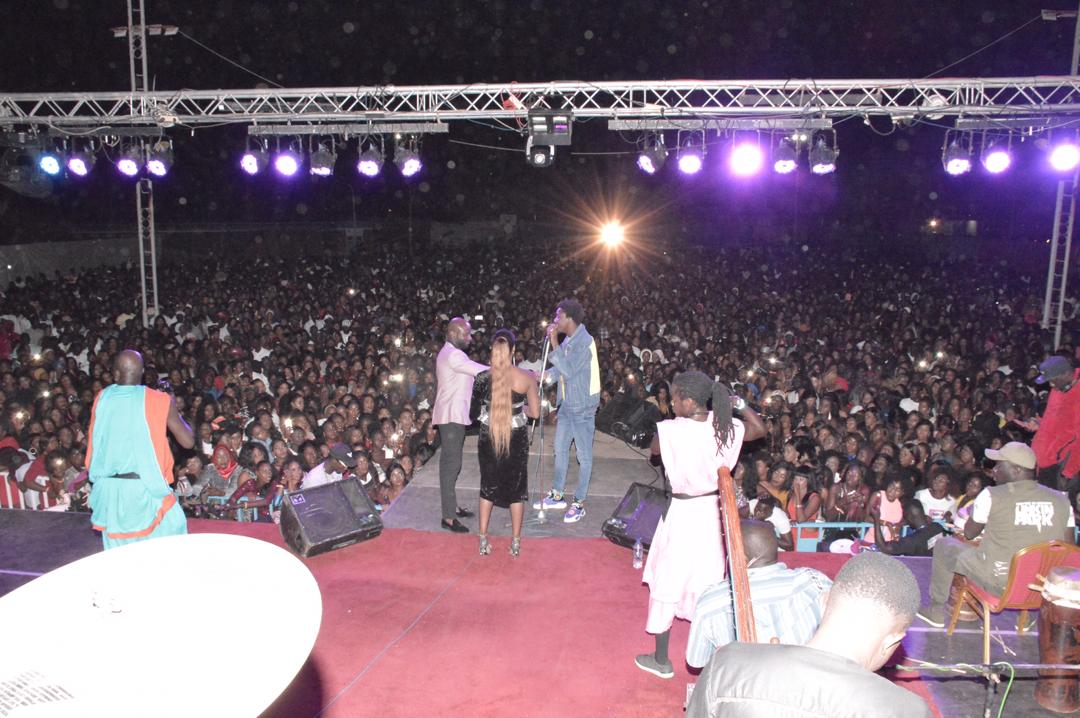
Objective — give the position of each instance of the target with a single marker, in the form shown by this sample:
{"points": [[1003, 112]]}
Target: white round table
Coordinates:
{"points": [[195, 625]]}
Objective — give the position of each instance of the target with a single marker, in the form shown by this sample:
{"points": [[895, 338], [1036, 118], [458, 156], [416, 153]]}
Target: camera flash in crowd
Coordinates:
{"points": [[352, 292], [772, 360], [45, 394], [397, 341], [749, 373], [37, 357], [397, 377], [940, 355], [922, 363], [544, 323]]}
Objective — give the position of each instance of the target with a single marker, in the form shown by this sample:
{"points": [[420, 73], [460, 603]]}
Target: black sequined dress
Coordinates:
{"points": [[503, 479]]}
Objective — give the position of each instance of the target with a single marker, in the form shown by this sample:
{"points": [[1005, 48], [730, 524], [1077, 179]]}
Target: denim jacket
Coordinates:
{"points": [[576, 366]]}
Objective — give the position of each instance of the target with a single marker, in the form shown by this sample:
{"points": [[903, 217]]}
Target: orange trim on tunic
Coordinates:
{"points": [[167, 503], [157, 419]]}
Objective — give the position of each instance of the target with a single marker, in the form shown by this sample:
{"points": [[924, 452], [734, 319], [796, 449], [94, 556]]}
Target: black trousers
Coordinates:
{"points": [[453, 440]]}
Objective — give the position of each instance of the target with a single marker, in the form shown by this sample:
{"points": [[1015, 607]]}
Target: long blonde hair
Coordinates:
{"points": [[500, 395]]}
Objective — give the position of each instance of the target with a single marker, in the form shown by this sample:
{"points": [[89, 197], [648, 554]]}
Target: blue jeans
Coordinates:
{"points": [[577, 426]]}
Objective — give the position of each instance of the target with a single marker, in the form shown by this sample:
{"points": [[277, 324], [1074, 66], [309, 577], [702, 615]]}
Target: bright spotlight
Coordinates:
{"points": [[996, 160], [612, 234], [786, 157], [690, 162], [653, 157], [128, 163], [746, 159], [322, 161], [1065, 157], [79, 163], [822, 158], [161, 159], [49, 163], [407, 160], [254, 161], [957, 159], [370, 162], [287, 163]]}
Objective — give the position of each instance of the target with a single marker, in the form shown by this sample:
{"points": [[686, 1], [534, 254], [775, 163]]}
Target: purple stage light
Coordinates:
{"points": [[287, 164], [79, 164], [128, 166], [1065, 157], [368, 168], [411, 166], [997, 161], [746, 160], [646, 164], [958, 166], [690, 163], [157, 168], [251, 163]]}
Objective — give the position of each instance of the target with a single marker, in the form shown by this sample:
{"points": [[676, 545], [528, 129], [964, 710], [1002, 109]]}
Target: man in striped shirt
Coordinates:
{"points": [[788, 603]]}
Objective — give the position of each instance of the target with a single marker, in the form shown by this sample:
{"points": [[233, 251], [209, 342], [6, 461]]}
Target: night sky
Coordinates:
{"points": [[884, 186]]}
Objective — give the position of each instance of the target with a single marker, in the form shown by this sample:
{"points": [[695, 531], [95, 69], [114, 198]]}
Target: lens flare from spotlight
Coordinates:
{"points": [[612, 234], [1065, 157], [997, 161], [746, 160], [690, 163], [49, 164], [287, 163]]}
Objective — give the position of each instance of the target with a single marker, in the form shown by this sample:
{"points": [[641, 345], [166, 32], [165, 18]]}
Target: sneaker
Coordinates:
{"points": [[551, 501], [648, 663], [932, 615], [575, 513]]}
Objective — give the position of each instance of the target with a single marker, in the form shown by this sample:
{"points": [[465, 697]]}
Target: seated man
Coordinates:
{"points": [[767, 509], [1016, 513], [788, 603], [920, 542], [870, 607]]}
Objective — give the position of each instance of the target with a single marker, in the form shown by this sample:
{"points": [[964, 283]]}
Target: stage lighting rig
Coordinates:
{"points": [[323, 159], [255, 158], [550, 128], [996, 156], [823, 155], [50, 162], [160, 159], [1065, 156], [654, 155], [371, 160], [746, 159], [539, 155], [80, 162], [956, 155], [407, 156], [130, 160], [786, 156], [287, 160]]}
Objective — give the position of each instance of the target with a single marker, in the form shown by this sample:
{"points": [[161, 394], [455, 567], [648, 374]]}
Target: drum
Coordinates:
{"points": [[1059, 640], [192, 625]]}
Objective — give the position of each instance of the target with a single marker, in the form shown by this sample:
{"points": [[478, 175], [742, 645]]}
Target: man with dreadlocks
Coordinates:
{"points": [[687, 555]]}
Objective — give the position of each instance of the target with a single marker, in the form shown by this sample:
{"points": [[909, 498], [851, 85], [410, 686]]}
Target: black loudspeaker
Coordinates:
{"points": [[324, 518], [629, 419], [637, 516]]}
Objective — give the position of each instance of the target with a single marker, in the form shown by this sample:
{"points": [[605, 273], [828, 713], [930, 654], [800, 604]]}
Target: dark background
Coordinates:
{"points": [[885, 185]]}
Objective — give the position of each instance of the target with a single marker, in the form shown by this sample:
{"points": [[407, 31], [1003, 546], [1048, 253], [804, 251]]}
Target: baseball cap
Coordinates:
{"points": [[342, 453], [1015, 452], [1052, 368]]}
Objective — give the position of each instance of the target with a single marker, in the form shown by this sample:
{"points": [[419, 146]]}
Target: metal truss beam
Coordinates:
{"points": [[351, 130], [682, 99], [764, 125]]}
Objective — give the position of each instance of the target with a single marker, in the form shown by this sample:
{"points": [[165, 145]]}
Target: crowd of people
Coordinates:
{"points": [[875, 379]]}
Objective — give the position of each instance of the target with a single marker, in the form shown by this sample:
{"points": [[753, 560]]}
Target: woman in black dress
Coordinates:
{"points": [[503, 399]]}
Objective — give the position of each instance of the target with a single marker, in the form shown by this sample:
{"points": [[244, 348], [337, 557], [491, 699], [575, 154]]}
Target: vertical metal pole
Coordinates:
{"points": [[142, 250], [1051, 271], [153, 242], [1066, 260]]}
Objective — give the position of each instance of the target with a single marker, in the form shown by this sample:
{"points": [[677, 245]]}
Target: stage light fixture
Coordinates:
{"points": [[1065, 157], [785, 157], [129, 161], [996, 158], [79, 163], [539, 155], [653, 157], [254, 161], [822, 157], [161, 159], [49, 163], [550, 128], [287, 162], [746, 159], [322, 160], [957, 158], [407, 158], [370, 162]]}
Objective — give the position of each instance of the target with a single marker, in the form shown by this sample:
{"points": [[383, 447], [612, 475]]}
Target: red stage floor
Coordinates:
{"points": [[416, 623]]}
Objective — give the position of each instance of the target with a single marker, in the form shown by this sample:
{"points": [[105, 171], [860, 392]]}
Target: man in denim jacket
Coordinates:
{"points": [[576, 367]]}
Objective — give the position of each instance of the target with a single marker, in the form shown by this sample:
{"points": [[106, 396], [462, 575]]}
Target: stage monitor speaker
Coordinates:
{"points": [[632, 420], [637, 516], [328, 517]]}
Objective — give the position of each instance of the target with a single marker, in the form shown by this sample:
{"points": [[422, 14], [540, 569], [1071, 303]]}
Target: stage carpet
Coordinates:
{"points": [[417, 623]]}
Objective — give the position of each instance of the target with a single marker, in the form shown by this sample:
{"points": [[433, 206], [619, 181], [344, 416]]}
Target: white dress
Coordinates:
{"points": [[687, 551]]}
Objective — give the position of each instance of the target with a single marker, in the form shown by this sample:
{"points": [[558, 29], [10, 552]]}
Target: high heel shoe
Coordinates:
{"points": [[515, 546], [485, 546]]}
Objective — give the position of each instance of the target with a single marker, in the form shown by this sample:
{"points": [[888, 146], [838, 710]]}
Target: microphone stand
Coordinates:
{"points": [[541, 515]]}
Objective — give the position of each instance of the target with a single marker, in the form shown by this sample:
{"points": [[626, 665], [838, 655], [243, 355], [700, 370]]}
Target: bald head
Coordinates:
{"points": [[759, 543], [459, 332], [128, 367]]}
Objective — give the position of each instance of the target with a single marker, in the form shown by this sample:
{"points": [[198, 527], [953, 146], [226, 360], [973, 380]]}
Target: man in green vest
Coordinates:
{"points": [[1014, 514]]}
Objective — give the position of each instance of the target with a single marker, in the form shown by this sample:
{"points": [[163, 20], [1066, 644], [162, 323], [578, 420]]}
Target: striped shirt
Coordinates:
{"points": [[788, 604]]}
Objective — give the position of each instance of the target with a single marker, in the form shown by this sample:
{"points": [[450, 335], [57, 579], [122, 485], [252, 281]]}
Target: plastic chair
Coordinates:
{"points": [[809, 543], [1026, 564]]}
